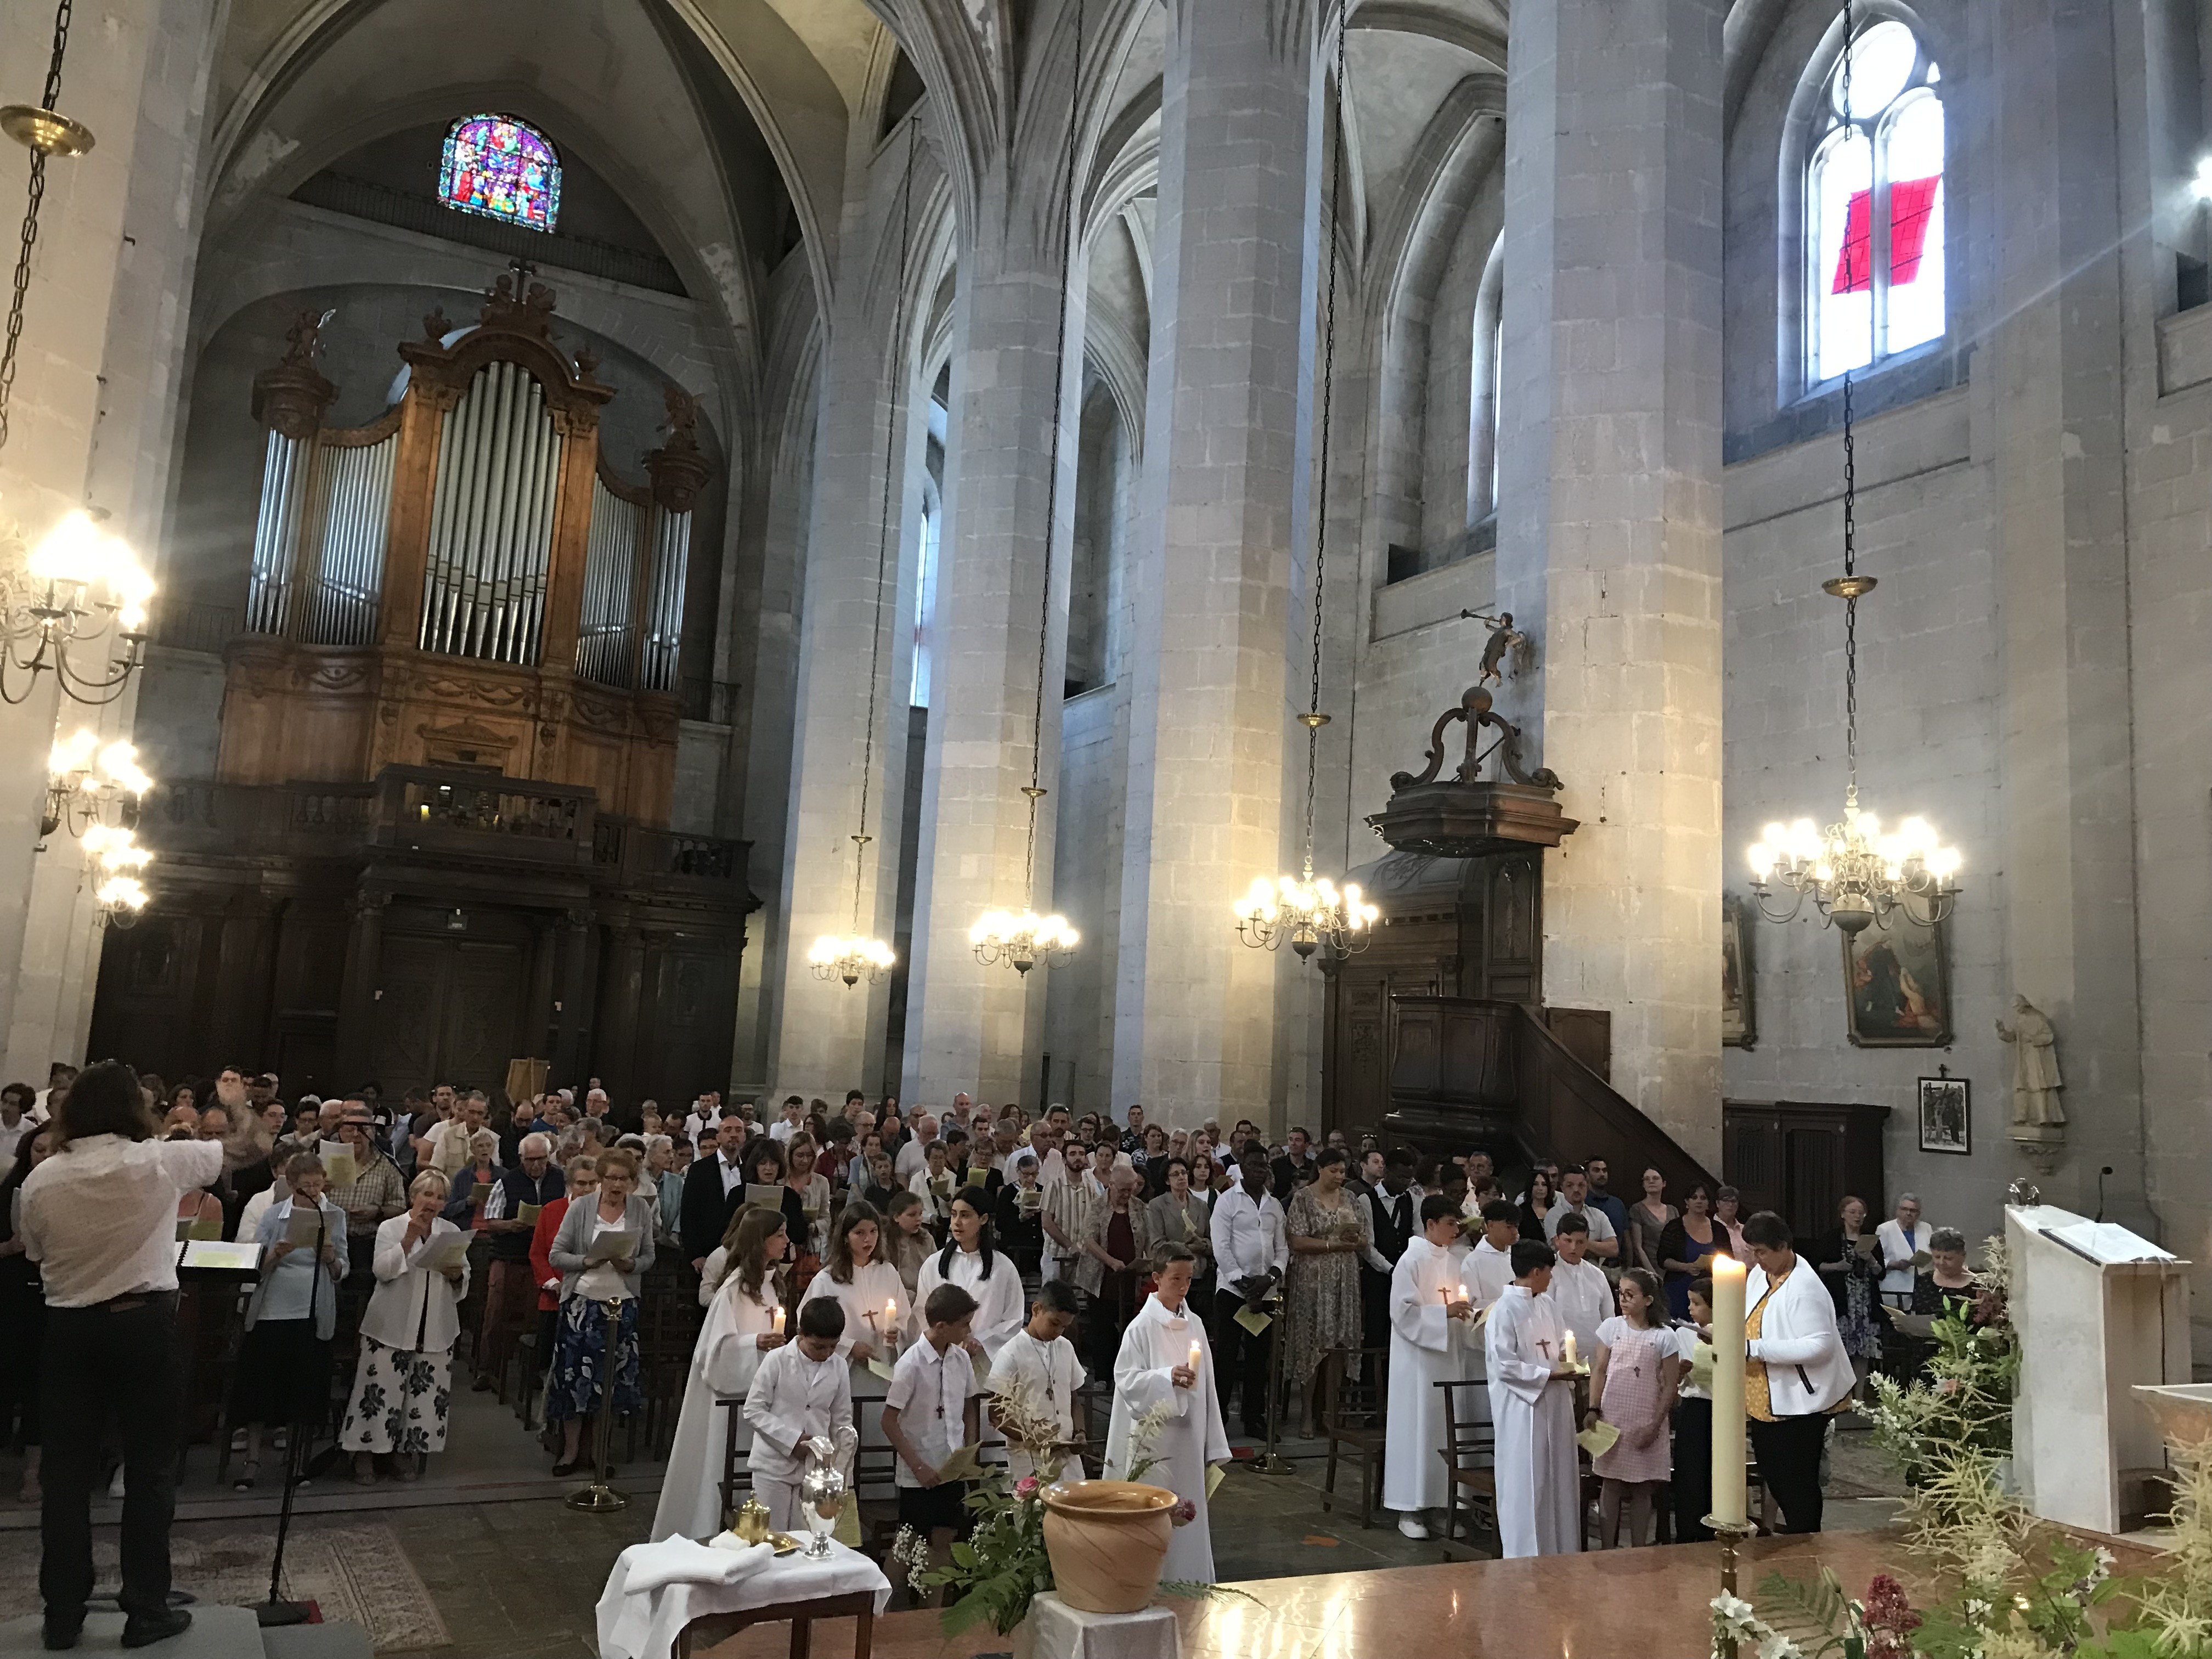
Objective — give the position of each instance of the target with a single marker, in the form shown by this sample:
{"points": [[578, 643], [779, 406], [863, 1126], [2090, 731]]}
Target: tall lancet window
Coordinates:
{"points": [[501, 168], [1874, 203]]}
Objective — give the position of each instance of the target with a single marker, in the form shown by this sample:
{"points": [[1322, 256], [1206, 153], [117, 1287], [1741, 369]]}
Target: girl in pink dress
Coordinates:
{"points": [[1633, 1381]]}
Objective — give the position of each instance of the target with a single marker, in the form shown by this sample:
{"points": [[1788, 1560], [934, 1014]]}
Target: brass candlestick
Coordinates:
{"points": [[1731, 1535]]}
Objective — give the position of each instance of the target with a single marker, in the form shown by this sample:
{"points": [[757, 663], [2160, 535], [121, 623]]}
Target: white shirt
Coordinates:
{"points": [[1601, 1230], [1049, 1371], [1895, 1246], [1249, 1238], [930, 1391], [449, 1145], [11, 1136], [913, 1157], [100, 1216], [781, 1130], [1584, 1298], [792, 1399]]}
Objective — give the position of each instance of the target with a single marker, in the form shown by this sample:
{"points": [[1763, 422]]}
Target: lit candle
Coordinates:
{"points": [[1572, 1358], [1731, 1505], [890, 1312], [776, 1321], [1194, 1352]]}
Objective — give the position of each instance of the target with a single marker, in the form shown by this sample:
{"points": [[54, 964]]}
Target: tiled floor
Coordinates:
{"points": [[515, 1574]]}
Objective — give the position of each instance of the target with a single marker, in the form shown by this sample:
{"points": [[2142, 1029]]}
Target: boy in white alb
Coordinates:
{"points": [[1039, 1362], [1580, 1290], [932, 1409], [1490, 1263], [802, 1389]]}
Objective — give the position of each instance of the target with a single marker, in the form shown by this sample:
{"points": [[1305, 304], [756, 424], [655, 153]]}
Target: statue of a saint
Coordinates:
{"points": [[2035, 1079]]}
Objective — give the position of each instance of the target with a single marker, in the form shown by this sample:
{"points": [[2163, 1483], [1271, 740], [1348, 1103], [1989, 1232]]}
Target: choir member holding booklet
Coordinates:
{"points": [[1432, 1340]]}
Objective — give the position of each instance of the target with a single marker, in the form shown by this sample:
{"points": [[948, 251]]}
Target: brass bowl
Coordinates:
{"points": [[43, 131]]}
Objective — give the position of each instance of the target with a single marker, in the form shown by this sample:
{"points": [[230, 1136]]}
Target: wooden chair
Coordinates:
{"points": [[1468, 1444], [1352, 1408], [736, 1470]]}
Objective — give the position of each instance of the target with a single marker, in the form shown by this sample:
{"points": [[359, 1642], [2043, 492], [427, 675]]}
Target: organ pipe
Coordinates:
{"points": [[341, 550], [603, 636], [491, 523], [284, 475], [664, 616]]}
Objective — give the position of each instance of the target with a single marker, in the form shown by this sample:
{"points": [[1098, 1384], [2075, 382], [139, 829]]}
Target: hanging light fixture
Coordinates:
{"points": [[1306, 911], [1000, 937], [1853, 872], [116, 859], [857, 956], [89, 783]]}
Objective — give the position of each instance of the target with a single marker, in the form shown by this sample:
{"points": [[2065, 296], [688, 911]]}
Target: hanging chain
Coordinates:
{"points": [[884, 530], [1851, 460], [22, 289], [1328, 401], [1035, 791]]}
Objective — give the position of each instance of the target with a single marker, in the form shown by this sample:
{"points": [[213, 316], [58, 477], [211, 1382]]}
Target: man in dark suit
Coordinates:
{"points": [[1394, 1208], [713, 1190], [1294, 1168]]}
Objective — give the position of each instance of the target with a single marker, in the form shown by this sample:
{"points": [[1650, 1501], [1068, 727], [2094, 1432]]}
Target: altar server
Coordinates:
{"points": [[800, 1391], [744, 1326], [1580, 1290], [1490, 1263], [1532, 1402], [1165, 1360], [1432, 1341]]}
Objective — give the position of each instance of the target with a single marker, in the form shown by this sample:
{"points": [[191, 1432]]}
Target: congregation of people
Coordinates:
{"points": [[889, 1275]]}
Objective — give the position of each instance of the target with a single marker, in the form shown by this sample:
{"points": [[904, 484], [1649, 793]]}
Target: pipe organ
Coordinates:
{"points": [[464, 580]]}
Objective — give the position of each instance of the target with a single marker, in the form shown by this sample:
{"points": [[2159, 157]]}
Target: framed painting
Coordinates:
{"points": [[1897, 987], [1946, 1118], [1738, 1000]]}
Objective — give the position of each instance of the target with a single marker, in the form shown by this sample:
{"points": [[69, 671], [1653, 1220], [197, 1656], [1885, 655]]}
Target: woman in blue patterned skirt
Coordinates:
{"points": [[579, 1354]]}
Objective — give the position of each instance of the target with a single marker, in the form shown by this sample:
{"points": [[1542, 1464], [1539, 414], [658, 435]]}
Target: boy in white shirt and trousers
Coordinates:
{"points": [[1039, 1362], [802, 1389], [931, 1410]]}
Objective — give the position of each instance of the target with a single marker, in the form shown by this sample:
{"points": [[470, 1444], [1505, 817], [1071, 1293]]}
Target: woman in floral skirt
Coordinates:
{"points": [[1851, 1267], [579, 1354], [403, 1384], [1330, 1235]]}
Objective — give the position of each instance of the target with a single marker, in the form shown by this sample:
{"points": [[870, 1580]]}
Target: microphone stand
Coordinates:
{"points": [[277, 1612]]}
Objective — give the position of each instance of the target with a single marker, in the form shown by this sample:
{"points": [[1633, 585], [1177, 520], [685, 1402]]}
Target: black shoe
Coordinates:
{"points": [[62, 1631], [144, 1632]]}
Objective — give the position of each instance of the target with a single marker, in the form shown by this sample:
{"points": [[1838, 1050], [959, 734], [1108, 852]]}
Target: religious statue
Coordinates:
{"points": [[2035, 1079]]}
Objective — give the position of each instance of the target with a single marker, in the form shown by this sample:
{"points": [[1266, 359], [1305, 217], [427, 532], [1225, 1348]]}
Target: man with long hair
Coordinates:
{"points": [[100, 1219]]}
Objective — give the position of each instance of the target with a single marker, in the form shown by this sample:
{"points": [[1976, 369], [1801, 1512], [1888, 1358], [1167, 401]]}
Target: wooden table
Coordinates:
{"points": [[712, 1629]]}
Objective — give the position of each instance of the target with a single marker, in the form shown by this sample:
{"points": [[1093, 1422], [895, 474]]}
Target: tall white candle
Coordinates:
{"points": [[776, 1319], [1731, 1505]]}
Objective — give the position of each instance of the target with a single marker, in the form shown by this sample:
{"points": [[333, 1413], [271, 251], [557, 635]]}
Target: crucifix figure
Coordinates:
{"points": [[524, 271]]}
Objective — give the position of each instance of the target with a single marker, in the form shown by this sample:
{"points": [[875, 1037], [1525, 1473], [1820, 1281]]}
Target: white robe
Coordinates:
{"points": [[1000, 1309], [1583, 1296], [1156, 1342], [723, 1362], [792, 1398], [1539, 1483], [873, 1286], [1426, 1348]]}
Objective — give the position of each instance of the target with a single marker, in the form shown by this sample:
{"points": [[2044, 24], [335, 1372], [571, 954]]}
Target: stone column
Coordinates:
{"points": [[1609, 527], [968, 1025], [2050, 409], [824, 1037], [1223, 526], [94, 417]]}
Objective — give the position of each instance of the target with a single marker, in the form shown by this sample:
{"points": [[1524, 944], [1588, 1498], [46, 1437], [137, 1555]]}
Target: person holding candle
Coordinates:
{"points": [[744, 1326], [1432, 1341], [1164, 1360], [1580, 1290], [1532, 1405], [1797, 1373], [1633, 1380], [857, 1273]]}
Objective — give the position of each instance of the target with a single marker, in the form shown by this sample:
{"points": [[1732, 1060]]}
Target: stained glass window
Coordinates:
{"points": [[1874, 198], [501, 168]]}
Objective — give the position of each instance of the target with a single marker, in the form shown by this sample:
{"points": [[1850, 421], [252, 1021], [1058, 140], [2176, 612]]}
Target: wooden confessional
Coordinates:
{"points": [[436, 839]]}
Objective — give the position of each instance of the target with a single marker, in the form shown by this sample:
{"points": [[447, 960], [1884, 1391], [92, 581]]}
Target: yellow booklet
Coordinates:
{"points": [[527, 1214], [1253, 1320], [882, 1367], [1215, 1474], [1599, 1438]]}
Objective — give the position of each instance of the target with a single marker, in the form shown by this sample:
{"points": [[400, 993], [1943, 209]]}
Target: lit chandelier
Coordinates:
{"points": [[858, 956], [1304, 910], [999, 937], [1852, 871], [87, 784], [117, 859]]}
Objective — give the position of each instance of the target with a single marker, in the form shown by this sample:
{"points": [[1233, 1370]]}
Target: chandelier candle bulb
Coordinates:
{"points": [[1731, 1503]]}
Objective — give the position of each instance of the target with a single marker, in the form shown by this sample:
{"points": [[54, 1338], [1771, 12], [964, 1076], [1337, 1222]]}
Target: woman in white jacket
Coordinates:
{"points": [[1796, 1375], [402, 1386], [744, 1326]]}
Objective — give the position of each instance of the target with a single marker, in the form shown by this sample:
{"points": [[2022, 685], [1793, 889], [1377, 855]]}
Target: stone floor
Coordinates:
{"points": [[515, 1573]]}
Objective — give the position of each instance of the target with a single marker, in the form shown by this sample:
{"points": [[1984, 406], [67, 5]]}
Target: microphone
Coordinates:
{"points": [[2101, 1173]]}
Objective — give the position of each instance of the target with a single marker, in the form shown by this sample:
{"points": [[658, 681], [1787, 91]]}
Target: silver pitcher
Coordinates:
{"points": [[827, 1487]]}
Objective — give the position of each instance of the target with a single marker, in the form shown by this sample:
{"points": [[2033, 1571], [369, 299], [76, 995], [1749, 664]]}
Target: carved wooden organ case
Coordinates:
{"points": [[464, 581]]}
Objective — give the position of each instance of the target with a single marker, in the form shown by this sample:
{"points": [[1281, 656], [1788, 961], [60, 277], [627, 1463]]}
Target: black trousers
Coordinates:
{"points": [[1788, 1451], [100, 1368], [1693, 1470], [1243, 1356]]}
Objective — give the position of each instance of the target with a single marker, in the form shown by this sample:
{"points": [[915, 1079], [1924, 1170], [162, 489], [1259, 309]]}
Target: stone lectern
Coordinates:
{"points": [[2100, 1310]]}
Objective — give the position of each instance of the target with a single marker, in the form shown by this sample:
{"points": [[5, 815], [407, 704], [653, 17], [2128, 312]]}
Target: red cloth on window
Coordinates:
{"points": [[1911, 206]]}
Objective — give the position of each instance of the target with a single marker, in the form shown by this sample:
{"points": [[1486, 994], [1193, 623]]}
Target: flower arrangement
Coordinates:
{"points": [[2001, 1585]]}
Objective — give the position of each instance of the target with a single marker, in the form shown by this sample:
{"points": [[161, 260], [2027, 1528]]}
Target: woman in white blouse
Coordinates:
{"points": [[744, 1324], [402, 1386]]}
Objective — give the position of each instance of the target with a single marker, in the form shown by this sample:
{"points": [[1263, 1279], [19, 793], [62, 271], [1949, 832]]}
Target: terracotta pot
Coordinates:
{"points": [[1107, 1540]]}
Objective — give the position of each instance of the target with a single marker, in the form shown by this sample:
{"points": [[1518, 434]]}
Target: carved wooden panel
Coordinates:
{"points": [[447, 1012]]}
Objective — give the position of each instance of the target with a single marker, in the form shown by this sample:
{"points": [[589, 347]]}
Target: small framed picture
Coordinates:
{"points": [[1946, 1118], [1739, 998]]}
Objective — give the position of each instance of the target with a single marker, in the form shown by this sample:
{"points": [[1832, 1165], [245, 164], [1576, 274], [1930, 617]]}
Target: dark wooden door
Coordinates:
{"points": [[447, 1013]]}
